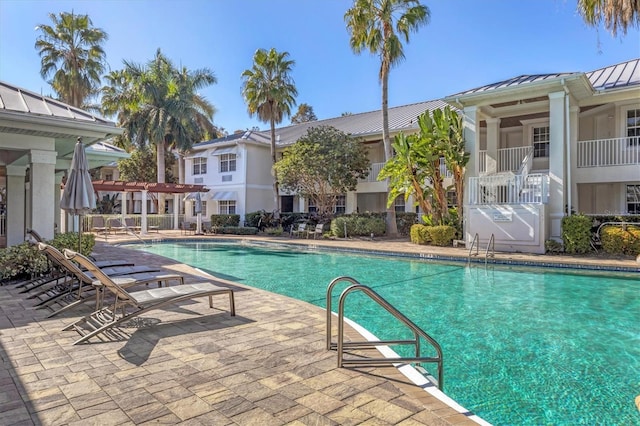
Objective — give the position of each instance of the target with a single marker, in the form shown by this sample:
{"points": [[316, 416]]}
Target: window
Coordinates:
{"points": [[200, 166], [633, 199], [541, 141], [227, 163], [226, 207], [633, 126], [312, 206], [193, 208], [108, 176], [398, 204], [341, 204]]}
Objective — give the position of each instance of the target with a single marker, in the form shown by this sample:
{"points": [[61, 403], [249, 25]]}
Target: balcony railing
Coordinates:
{"points": [[509, 159], [508, 188], [373, 172], [609, 152]]}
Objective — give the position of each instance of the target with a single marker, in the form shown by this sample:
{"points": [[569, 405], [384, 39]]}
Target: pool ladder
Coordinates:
{"points": [[340, 346], [490, 245]]}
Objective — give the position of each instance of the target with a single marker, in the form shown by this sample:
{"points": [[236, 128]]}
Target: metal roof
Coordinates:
{"points": [[617, 76], [18, 100], [362, 124]]}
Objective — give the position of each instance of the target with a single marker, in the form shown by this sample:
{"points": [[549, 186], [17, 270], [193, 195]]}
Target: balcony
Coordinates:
{"points": [[609, 152], [507, 188], [509, 159]]}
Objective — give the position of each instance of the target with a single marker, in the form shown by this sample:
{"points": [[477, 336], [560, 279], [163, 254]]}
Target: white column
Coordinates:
{"points": [[493, 141], [573, 156], [15, 204], [143, 212], [557, 150], [57, 194], [42, 177], [351, 201], [176, 211], [471, 145]]}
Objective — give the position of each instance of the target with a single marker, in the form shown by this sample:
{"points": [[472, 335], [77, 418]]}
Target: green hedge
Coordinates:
{"points": [[225, 220], [419, 234], [358, 226], [442, 235], [235, 230], [621, 239], [576, 233]]}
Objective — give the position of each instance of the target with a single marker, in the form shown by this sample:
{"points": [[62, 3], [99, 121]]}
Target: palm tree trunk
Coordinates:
{"points": [[392, 227], [160, 147]]}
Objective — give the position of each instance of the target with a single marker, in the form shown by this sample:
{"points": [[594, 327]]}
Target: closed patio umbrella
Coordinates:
{"points": [[78, 197], [198, 211]]}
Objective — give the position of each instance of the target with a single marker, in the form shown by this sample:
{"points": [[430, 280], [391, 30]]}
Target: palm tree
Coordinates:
{"points": [[158, 104], [379, 26], [71, 54], [269, 92], [615, 13]]}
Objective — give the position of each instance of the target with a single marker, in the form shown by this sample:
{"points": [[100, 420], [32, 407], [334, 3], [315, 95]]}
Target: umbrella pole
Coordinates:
{"points": [[79, 233]]}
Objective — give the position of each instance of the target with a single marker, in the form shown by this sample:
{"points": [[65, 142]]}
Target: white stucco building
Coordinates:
{"points": [[37, 138]]}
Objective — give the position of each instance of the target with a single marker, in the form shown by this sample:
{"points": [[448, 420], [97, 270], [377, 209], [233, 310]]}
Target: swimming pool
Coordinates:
{"points": [[521, 346]]}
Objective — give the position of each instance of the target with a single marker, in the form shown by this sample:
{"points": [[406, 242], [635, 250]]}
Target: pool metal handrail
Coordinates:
{"points": [[341, 345], [492, 244], [475, 243]]}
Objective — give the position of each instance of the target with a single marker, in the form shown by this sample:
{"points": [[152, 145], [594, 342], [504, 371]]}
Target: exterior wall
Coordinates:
{"points": [[518, 228]]}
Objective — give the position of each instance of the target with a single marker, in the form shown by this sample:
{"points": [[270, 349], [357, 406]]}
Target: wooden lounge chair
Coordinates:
{"points": [[72, 291], [138, 302], [319, 230]]}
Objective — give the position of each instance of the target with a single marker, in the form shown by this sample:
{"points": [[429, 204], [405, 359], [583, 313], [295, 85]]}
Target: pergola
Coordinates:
{"points": [[144, 188]]}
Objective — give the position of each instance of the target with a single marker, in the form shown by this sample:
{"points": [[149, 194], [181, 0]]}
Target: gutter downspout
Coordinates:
{"points": [[567, 128]]}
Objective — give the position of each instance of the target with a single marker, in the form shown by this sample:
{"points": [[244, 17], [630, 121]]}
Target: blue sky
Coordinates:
{"points": [[468, 43]]}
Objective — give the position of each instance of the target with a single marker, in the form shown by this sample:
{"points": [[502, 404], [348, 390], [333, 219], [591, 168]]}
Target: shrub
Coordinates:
{"points": [[576, 233], [358, 226], [274, 231], [552, 246], [69, 240], [235, 230], [225, 220], [21, 261], [442, 235], [419, 234], [618, 240], [404, 221]]}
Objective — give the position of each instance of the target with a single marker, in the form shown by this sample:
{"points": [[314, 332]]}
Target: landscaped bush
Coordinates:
{"points": [[22, 261], [442, 235], [225, 220], [404, 221], [576, 233], [358, 226], [276, 232], [69, 240], [618, 240], [552, 246], [419, 234], [235, 230]]}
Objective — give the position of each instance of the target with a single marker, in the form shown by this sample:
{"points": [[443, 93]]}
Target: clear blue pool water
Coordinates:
{"points": [[521, 346]]}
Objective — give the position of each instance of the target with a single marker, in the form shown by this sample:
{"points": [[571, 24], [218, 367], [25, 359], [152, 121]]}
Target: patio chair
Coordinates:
{"points": [[319, 230], [98, 226], [302, 230], [138, 302], [115, 225], [72, 291], [130, 224], [187, 227]]}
